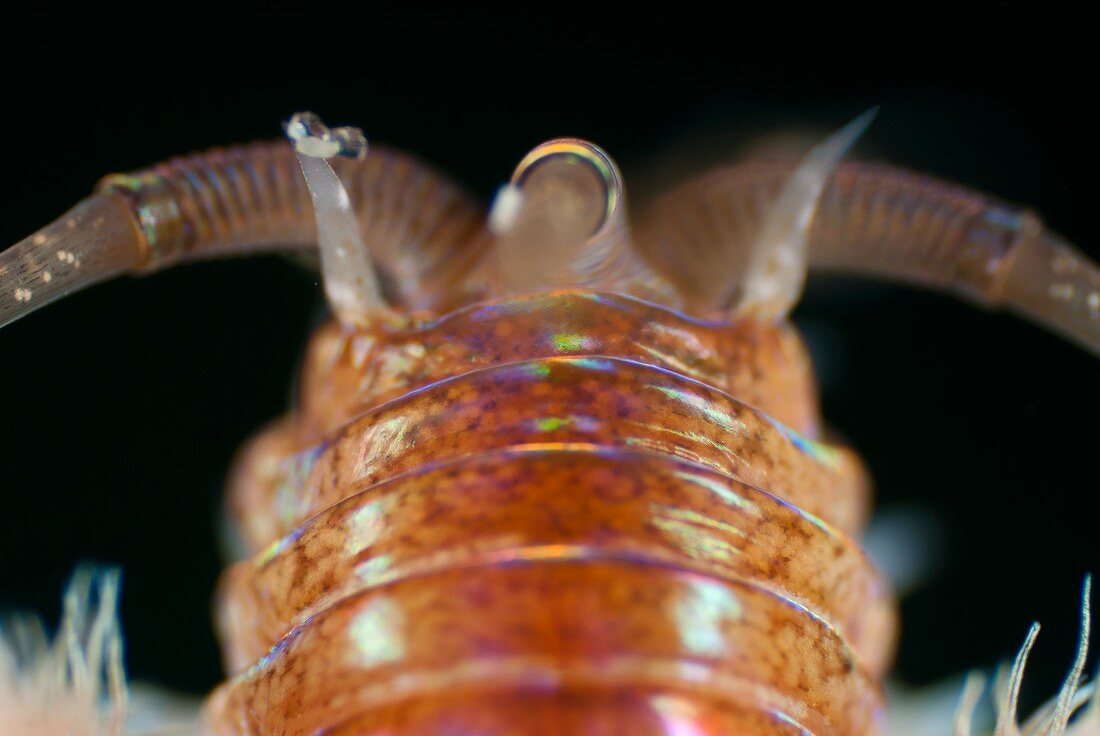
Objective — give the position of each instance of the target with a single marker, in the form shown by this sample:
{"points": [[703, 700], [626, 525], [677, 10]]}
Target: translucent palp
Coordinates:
{"points": [[351, 284], [776, 272], [882, 223]]}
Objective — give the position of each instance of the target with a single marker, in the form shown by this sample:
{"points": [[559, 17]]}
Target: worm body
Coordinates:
{"points": [[563, 471], [552, 505]]}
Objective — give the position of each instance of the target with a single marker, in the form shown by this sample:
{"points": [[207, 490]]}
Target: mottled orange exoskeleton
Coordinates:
{"points": [[563, 471]]}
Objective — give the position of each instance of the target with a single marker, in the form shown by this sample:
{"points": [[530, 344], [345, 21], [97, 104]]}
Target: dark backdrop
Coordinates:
{"points": [[120, 408]]}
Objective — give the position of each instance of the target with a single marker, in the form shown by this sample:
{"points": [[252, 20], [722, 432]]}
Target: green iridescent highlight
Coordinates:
{"points": [[571, 342]]}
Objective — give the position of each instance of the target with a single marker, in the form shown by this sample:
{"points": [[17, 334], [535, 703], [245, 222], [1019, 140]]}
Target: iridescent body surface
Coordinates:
{"points": [[545, 476], [555, 500]]}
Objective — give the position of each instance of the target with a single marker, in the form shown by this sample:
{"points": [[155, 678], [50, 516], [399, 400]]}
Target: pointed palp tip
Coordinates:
{"points": [[776, 272], [841, 141], [865, 118], [351, 283]]}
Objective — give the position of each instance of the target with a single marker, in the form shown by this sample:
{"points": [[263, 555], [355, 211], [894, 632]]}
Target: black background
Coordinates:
{"points": [[121, 407]]}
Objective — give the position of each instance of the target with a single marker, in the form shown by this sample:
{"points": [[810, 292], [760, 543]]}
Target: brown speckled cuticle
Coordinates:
{"points": [[571, 512], [567, 513]]}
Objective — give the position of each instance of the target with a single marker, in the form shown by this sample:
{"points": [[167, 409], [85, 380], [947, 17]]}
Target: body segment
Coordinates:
{"points": [[591, 498], [547, 522]]}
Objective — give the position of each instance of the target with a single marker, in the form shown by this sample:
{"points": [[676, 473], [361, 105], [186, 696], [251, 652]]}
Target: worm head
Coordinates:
{"points": [[561, 222]]}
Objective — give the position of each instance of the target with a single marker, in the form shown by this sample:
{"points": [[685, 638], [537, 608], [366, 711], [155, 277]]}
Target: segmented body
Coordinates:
{"points": [[570, 511], [576, 505]]}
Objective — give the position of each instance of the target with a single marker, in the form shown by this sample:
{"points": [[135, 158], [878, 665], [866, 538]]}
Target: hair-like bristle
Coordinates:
{"points": [[74, 685], [972, 692], [1054, 717]]}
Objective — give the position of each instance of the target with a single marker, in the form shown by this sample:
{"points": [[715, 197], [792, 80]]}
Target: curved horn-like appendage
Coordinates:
{"points": [[883, 223], [730, 241], [776, 273], [561, 223], [351, 284]]}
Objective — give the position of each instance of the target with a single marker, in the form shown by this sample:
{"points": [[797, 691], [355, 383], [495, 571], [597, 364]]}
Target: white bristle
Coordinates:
{"points": [[76, 684]]}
